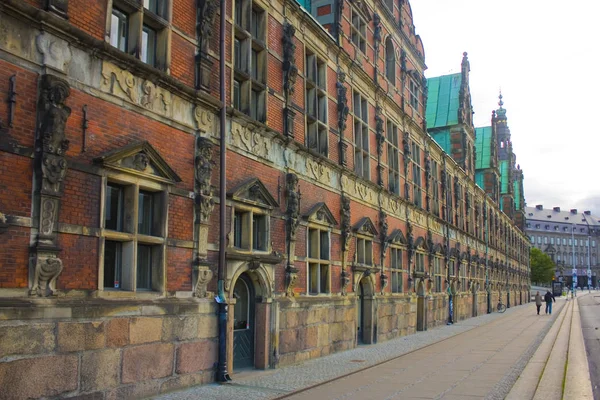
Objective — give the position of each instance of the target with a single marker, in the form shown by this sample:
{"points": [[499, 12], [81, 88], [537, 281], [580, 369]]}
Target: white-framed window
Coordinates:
{"points": [[539, 239], [250, 60], [545, 239], [593, 243], [551, 240], [570, 242], [361, 136], [532, 239], [318, 253], [463, 276], [359, 32], [397, 285], [316, 104], [393, 158], [364, 251], [141, 29], [134, 233], [564, 241]]}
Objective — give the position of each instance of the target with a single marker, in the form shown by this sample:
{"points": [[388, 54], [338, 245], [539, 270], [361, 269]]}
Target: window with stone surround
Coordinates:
{"points": [[397, 282], [364, 251], [134, 233], [415, 161], [361, 136], [419, 262], [413, 94], [359, 31], [141, 28], [390, 61], [438, 274], [393, 158], [435, 188], [250, 229], [316, 103], [249, 60], [318, 258], [463, 276]]}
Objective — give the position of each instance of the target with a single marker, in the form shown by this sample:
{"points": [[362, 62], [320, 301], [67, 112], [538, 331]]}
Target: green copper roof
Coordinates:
{"points": [[504, 176], [442, 100], [479, 179], [483, 138], [517, 192], [442, 137]]}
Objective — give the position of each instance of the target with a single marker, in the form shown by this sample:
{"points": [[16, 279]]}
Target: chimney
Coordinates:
{"points": [[557, 209], [573, 211], [587, 212], [539, 207]]}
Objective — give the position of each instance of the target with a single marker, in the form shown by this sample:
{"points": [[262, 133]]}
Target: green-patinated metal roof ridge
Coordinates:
{"points": [[483, 152], [443, 100]]}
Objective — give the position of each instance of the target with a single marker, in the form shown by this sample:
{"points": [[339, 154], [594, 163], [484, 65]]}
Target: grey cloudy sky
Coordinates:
{"points": [[545, 56]]}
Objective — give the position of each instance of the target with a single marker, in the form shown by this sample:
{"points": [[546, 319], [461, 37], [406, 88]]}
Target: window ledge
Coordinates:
{"points": [[125, 294]]}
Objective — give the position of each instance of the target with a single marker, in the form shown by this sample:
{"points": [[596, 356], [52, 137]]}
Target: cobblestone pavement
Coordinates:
{"points": [[493, 348]]}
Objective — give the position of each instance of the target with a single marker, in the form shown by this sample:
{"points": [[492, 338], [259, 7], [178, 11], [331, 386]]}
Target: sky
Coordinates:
{"points": [[545, 57]]}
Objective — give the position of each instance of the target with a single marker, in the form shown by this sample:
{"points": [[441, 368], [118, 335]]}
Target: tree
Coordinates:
{"points": [[542, 267]]}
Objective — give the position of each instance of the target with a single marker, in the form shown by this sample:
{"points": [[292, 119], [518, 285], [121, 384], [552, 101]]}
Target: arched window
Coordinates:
{"points": [[390, 61]]}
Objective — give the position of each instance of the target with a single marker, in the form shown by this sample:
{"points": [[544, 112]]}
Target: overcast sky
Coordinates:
{"points": [[545, 57]]}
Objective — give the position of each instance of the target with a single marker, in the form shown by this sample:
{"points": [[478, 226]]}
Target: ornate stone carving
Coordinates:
{"points": [[342, 111], [383, 234], [250, 140], [376, 37], [290, 70], [403, 61], [203, 276], [318, 171], [345, 281], [155, 98], [379, 131], [114, 77], [204, 119], [291, 278], [47, 270], [410, 243], [384, 281], [293, 195], [56, 53], [203, 172], [205, 18], [345, 223]]}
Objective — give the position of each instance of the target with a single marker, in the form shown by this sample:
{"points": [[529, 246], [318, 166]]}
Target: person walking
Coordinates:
{"points": [[538, 302], [548, 297]]}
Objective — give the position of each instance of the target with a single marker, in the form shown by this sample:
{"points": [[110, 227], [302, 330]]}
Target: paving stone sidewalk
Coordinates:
{"points": [[271, 384]]}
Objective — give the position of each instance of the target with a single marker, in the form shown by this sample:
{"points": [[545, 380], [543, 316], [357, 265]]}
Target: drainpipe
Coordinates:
{"points": [[222, 375]]}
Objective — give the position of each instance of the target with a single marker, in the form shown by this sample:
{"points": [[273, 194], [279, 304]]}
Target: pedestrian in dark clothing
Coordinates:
{"points": [[548, 297], [538, 302]]}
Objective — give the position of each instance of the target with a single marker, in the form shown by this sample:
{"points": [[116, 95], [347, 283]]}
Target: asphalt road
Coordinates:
{"points": [[589, 308]]}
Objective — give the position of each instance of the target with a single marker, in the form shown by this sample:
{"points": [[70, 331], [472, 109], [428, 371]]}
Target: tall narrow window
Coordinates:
{"points": [[148, 50], [316, 104], [396, 269], [259, 234], [437, 273], [118, 30], [413, 90], [361, 137], [113, 209], [249, 60], [364, 251], [390, 61], [359, 32], [112, 264], [318, 261], [393, 158], [435, 188], [416, 174]]}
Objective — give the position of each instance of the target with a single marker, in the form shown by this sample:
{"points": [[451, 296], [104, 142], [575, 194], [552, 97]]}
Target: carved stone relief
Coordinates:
{"points": [[346, 223], [342, 111], [203, 173], [203, 275], [292, 192], [47, 270], [318, 171], [250, 140], [56, 53]]}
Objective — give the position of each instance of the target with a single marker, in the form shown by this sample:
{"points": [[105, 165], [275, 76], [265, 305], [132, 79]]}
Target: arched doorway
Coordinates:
{"points": [[243, 323], [364, 321], [421, 307]]}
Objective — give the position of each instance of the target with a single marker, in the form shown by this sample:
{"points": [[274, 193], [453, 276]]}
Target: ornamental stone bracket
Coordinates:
{"points": [[56, 53], [201, 276], [50, 169]]}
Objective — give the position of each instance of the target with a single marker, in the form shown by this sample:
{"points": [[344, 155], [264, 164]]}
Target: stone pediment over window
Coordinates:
{"points": [[361, 7], [550, 249], [438, 248], [365, 226], [421, 243], [253, 191], [396, 237], [320, 213], [139, 159]]}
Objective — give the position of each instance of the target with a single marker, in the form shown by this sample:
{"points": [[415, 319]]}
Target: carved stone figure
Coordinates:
{"points": [[46, 272], [293, 205], [346, 227], [384, 281], [342, 111], [207, 9], [203, 170], [383, 232], [379, 132], [291, 278], [290, 69], [203, 276], [345, 281], [376, 35]]}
